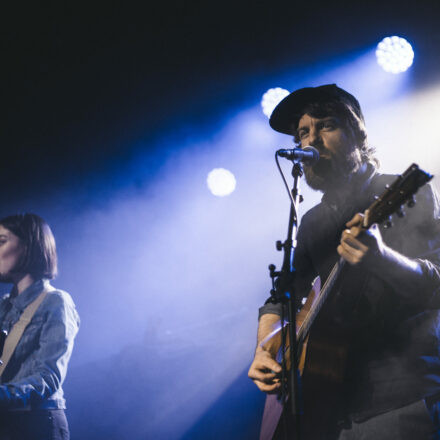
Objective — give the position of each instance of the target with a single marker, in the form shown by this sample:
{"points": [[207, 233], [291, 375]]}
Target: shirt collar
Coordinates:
{"points": [[354, 189]]}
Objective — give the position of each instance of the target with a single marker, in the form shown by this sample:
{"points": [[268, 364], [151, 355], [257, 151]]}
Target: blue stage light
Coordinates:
{"points": [[271, 99], [221, 182], [394, 54]]}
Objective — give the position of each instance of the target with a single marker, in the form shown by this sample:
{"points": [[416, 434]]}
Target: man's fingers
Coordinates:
{"points": [[355, 221], [271, 364], [268, 388], [353, 242], [354, 231], [262, 375], [263, 360], [352, 256], [264, 371]]}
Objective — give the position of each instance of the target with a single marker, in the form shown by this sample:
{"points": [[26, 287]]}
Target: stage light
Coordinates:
{"points": [[272, 98], [221, 182], [394, 54]]}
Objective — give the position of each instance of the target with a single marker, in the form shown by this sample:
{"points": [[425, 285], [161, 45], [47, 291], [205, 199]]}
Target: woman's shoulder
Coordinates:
{"points": [[59, 296], [58, 299]]}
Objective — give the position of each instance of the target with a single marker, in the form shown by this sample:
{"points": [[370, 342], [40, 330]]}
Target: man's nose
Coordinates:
{"points": [[314, 137]]}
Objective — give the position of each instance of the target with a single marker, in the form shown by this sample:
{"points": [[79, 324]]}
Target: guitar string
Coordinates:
{"points": [[305, 326]]}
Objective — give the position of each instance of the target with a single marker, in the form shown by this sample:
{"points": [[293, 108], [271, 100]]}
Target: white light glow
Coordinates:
{"points": [[394, 54], [221, 182], [272, 98]]}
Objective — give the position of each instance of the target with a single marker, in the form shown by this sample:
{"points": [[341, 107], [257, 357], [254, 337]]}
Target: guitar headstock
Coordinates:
{"points": [[401, 191]]}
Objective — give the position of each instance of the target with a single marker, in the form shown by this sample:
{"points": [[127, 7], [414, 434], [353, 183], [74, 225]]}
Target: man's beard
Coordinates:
{"points": [[330, 173]]}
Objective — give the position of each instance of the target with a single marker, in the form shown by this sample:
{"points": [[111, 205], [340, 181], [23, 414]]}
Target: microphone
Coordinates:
{"points": [[308, 155]]}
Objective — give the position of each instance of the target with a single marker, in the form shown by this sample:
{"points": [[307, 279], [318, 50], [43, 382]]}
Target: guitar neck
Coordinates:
{"points": [[304, 330]]}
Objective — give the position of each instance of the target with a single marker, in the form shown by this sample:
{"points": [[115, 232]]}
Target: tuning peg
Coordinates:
{"points": [[388, 223], [411, 202], [279, 245], [400, 212]]}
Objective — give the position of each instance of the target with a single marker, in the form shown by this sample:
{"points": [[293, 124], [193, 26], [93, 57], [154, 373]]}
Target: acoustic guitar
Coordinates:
{"points": [[328, 374]]}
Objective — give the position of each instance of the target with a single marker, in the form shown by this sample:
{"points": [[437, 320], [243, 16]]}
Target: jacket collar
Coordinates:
{"points": [[22, 300]]}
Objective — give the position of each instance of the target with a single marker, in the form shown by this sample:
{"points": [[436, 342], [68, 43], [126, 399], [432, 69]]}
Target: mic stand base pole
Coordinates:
{"points": [[295, 382], [284, 293]]}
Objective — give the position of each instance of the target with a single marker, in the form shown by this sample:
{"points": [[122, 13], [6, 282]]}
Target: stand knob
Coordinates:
{"points": [[279, 245], [272, 272]]}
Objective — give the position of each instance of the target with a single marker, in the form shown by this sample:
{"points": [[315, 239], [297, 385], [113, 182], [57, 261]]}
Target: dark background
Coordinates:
{"points": [[85, 87], [83, 83]]}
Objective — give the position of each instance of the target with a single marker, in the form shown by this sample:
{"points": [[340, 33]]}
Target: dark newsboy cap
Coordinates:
{"points": [[289, 111]]}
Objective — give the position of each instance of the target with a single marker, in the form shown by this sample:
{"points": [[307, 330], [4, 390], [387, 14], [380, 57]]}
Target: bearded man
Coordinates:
{"points": [[389, 298]]}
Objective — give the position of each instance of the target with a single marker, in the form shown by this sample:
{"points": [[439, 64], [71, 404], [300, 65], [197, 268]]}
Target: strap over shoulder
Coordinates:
{"points": [[13, 338]]}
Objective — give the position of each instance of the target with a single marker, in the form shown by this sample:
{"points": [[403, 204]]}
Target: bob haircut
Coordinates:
{"points": [[40, 255]]}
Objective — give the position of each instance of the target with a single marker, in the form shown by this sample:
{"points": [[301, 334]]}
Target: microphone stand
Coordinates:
{"points": [[283, 292]]}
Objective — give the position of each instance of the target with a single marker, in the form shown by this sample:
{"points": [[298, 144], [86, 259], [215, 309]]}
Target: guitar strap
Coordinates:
{"points": [[18, 329]]}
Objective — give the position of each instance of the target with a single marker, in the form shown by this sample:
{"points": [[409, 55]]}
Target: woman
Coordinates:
{"points": [[31, 396]]}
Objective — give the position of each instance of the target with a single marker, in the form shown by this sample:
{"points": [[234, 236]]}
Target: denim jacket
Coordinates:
{"points": [[36, 371]]}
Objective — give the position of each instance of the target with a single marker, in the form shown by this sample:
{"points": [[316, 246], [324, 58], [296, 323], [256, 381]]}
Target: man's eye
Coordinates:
{"points": [[302, 134], [329, 125]]}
